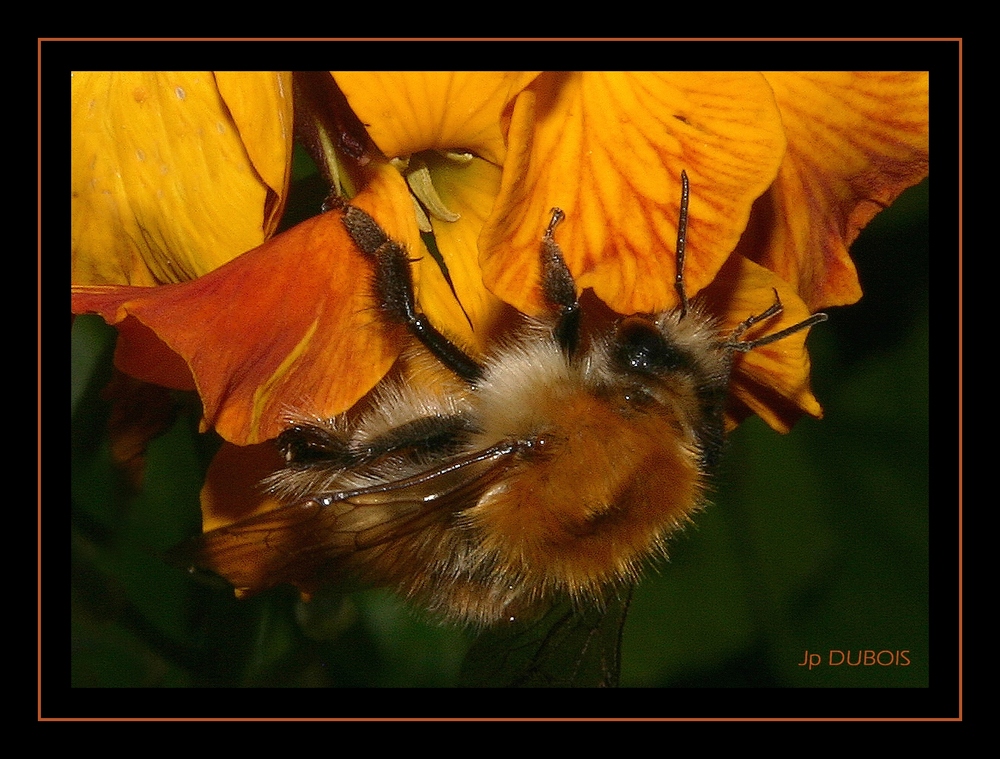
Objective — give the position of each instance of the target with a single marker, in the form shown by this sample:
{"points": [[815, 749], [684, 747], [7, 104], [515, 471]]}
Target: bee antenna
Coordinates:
{"points": [[682, 223]]}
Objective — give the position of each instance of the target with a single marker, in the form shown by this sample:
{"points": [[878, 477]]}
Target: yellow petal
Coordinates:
{"points": [[410, 111], [772, 380], [261, 106], [856, 140], [608, 148], [169, 182], [468, 312]]}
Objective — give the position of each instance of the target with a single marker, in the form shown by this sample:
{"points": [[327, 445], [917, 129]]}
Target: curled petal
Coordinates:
{"points": [[410, 111], [288, 325], [772, 380], [268, 141], [608, 148], [168, 181], [856, 140]]}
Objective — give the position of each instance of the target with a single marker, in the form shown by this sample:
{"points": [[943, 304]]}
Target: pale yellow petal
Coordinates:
{"points": [[163, 188], [465, 309]]}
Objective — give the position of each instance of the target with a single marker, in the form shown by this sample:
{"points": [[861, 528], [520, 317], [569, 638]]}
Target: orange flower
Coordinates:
{"points": [[856, 140], [464, 168]]}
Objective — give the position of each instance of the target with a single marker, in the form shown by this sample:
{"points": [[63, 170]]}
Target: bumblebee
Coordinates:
{"points": [[557, 465]]}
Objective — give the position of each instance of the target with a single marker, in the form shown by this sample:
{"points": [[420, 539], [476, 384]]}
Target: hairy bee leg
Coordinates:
{"points": [[559, 288], [439, 435], [306, 446], [748, 345], [394, 291]]}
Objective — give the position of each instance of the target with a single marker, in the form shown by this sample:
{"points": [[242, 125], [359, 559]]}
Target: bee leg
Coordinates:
{"points": [[559, 288], [319, 446], [393, 286], [417, 440], [735, 343]]}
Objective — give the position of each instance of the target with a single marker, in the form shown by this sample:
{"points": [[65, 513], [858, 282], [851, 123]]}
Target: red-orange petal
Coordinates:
{"points": [[232, 484], [289, 325]]}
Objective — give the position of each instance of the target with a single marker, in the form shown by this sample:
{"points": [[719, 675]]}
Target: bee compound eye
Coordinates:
{"points": [[643, 349]]}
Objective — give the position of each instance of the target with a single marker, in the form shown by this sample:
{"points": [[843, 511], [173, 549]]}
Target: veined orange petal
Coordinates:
{"points": [[771, 381], [608, 148], [287, 326], [856, 140], [410, 111], [163, 187]]}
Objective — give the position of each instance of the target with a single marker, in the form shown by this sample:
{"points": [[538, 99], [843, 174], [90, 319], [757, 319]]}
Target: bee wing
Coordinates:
{"points": [[308, 542], [570, 647]]}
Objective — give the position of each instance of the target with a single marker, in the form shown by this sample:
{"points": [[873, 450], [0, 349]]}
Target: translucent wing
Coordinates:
{"points": [[377, 531], [569, 647]]}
